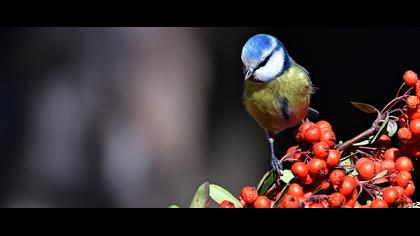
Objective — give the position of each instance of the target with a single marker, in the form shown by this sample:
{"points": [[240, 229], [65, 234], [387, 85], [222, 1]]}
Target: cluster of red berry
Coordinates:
{"points": [[409, 121], [365, 172]]}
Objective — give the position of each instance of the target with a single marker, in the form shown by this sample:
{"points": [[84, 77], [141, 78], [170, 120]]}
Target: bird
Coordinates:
{"points": [[277, 90]]}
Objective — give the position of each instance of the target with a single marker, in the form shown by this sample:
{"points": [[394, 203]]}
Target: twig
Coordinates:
{"points": [[358, 138], [399, 90]]}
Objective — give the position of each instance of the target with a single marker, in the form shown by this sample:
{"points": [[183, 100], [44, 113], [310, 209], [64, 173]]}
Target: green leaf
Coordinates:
{"points": [[365, 107], [380, 181], [173, 206], [347, 161], [287, 176], [381, 130], [219, 194], [392, 128], [201, 196], [363, 143], [266, 182], [382, 174], [347, 157], [347, 164], [354, 172]]}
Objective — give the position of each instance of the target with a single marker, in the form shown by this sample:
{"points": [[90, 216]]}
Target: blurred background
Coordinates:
{"points": [[140, 117]]}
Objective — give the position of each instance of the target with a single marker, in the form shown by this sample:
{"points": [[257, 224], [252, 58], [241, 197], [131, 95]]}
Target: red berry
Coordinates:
{"points": [[366, 170], [328, 136], [337, 176], [415, 127], [347, 186], [410, 78], [322, 184], [300, 169], [249, 194], [413, 102], [295, 190], [392, 154], [336, 200], [388, 165], [353, 195], [226, 204], [316, 205], [403, 178], [378, 203], [262, 202], [360, 161], [325, 203], [390, 195], [350, 203], [400, 190], [414, 114], [418, 89], [302, 128], [403, 164], [415, 150], [407, 202], [403, 120], [292, 149], [312, 134], [321, 149], [378, 167], [333, 157], [290, 201], [409, 190], [384, 141], [316, 166], [308, 180], [404, 134], [322, 124]]}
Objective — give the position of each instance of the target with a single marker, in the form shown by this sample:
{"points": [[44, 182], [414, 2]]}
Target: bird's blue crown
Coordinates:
{"points": [[259, 46]]}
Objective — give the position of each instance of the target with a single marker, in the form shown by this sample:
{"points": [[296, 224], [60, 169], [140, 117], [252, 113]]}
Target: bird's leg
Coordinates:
{"points": [[275, 163]]}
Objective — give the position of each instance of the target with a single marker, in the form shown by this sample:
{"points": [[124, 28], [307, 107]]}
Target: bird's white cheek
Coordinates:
{"points": [[273, 67]]}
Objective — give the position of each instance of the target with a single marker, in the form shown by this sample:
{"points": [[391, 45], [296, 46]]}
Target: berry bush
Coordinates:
{"points": [[372, 170]]}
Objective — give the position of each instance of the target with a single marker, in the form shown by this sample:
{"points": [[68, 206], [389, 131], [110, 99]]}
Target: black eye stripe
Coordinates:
{"points": [[264, 62]]}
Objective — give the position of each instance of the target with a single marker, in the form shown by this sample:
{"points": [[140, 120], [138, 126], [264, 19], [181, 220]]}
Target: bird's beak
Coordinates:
{"points": [[249, 73]]}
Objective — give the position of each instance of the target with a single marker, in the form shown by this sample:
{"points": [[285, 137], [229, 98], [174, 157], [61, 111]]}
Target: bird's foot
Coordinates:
{"points": [[277, 166]]}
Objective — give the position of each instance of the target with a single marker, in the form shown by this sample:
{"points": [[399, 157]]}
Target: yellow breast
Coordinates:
{"points": [[264, 100]]}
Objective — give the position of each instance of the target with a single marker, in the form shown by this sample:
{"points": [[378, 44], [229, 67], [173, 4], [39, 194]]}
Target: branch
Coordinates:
{"points": [[359, 137]]}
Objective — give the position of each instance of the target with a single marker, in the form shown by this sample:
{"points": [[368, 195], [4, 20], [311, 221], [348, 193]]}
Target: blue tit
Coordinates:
{"points": [[277, 90]]}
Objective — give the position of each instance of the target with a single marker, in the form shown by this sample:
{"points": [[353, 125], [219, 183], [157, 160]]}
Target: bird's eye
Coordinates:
{"points": [[264, 62]]}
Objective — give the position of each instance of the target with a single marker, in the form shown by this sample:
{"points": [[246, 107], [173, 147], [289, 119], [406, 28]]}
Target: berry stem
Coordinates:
{"points": [[395, 101], [399, 90], [364, 153], [317, 197], [367, 190]]}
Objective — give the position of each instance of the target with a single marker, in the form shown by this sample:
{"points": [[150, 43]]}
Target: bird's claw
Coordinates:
{"points": [[277, 166]]}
